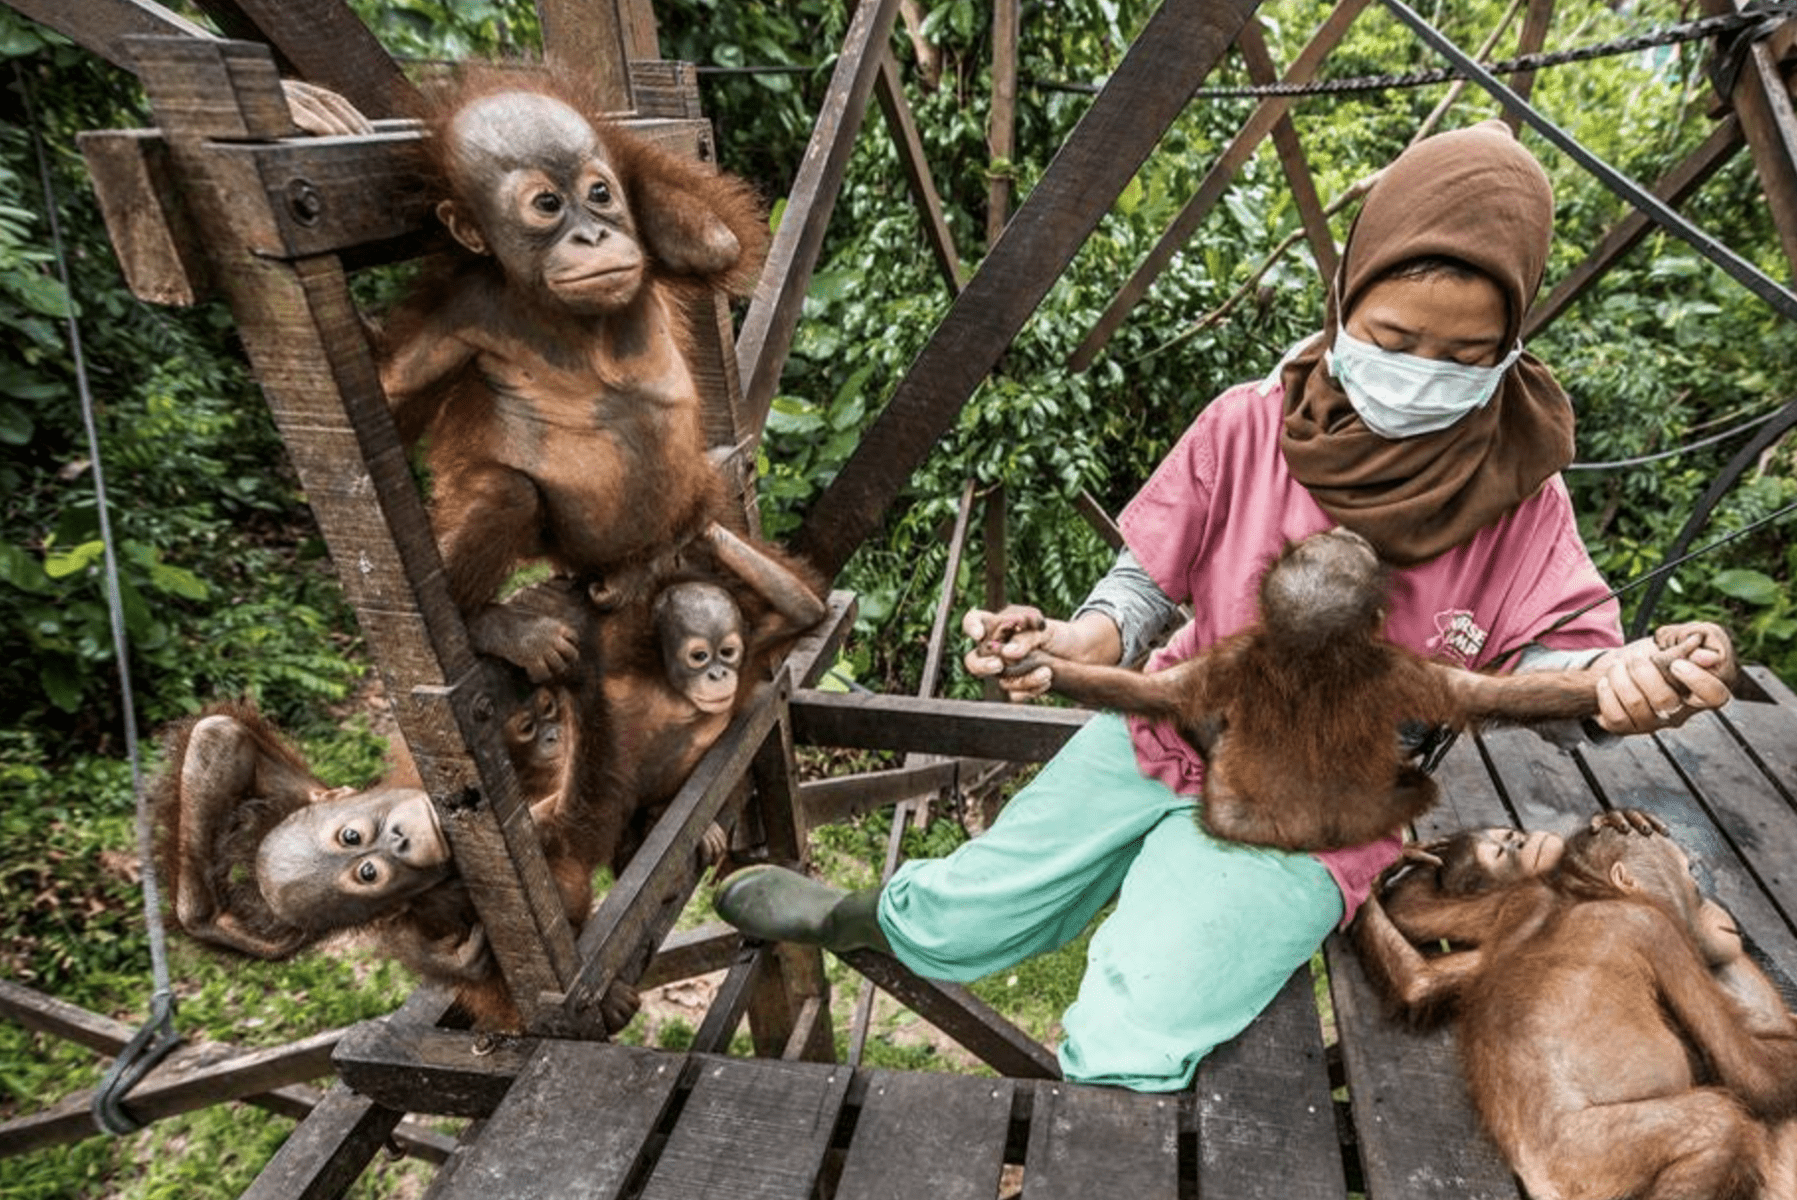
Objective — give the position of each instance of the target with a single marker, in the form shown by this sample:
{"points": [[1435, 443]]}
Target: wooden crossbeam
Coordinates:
{"points": [[1674, 187], [101, 26], [1183, 40], [322, 42], [58, 1018], [960, 1014], [968, 728], [1762, 99], [767, 328], [1261, 70], [1215, 183], [889, 90], [191, 1078]]}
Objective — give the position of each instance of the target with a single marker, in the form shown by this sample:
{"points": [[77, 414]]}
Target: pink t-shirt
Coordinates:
{"points": [[1222, 505]]}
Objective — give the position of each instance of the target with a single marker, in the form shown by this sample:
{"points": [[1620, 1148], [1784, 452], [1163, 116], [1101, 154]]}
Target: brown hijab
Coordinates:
{"points": [[1475, 195]]}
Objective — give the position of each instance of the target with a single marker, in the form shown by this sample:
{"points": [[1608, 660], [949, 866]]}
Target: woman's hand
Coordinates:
{"points": [[1003, 639], [1635, 695]]}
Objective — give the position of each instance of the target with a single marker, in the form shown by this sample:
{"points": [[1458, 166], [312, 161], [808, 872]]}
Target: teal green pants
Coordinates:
{"points": [[1204, 934]]}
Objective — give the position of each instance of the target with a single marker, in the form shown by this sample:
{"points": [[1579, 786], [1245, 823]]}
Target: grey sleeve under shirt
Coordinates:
{"points": [[1135, 604]]}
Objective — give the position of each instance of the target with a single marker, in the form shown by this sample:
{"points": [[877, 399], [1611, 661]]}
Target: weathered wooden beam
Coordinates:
{"points": [[817, 651], [101, 26], [767, 329], [687, 953], [732, 1000], [1762, 99], [1215, 183], [410, 1066], [1182, 41], [159, 251], [58, 1018], [1292, 160], [1001, 122], [1534, 35], [1674, 188], [889, 90], [794, 975], [187, 1079], [304, 338], [592, 39], [828, 801], [327, 1153], [960, 1014], [323, 42], [968, 728], [619, 939]]}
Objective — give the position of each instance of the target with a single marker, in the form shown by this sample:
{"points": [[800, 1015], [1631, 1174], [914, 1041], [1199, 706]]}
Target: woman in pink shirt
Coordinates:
{"points": [[1419, 422]]}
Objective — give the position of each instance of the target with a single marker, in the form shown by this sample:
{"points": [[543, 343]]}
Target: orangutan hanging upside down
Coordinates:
{"points": [[1299, 717]]}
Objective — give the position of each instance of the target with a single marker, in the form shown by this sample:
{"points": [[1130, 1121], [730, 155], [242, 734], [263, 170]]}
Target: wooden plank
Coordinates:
{"points": [[767, 328], [1183, 40], [416, 1067], [1541, 781], [1419, 1138], [960, 1014], [1769, 729], [1001, 121], [197, 1077], [323, 42], [590, 38], [620, 937], [1762, 100], [1674, 188], [1215, 183], [889, 90], [101, 26], [1266, 1123], [1089, 1141], [969, 728], [574, 1126], [1469, 798], [326, 1154], [156, 245], [925, 1135], [751, 1130]]}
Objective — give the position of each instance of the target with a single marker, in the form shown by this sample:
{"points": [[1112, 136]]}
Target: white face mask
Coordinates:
{"points": [[1401, 395]]}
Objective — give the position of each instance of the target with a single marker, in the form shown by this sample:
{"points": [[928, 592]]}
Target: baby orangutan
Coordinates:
{"points": [[1616, 1038], [262, 859], [1299, 717], [549, 366]]}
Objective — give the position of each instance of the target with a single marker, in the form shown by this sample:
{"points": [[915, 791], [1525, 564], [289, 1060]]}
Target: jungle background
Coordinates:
{"points": [[227, 590]]}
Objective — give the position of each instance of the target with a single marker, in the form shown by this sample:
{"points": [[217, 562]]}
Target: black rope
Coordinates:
{"points": [[1644, 459], [1733, 30], [158, 1036], [1436, 746]]}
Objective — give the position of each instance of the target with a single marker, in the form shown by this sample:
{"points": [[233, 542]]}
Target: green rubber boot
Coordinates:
{"points": [[778, 905]]}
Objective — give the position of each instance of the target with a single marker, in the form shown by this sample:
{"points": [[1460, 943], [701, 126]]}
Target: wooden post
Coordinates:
{"points": [[593, 39], [1762, 100], [305, 341], [1291, 156], [1001, 131]]}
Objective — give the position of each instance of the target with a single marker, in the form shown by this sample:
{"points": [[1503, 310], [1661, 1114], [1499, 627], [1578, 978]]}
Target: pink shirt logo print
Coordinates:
{"points": [[1458, 637]]}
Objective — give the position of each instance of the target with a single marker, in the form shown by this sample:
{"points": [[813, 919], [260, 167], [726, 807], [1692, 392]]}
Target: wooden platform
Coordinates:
{"points": [[1266, 1117]]}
